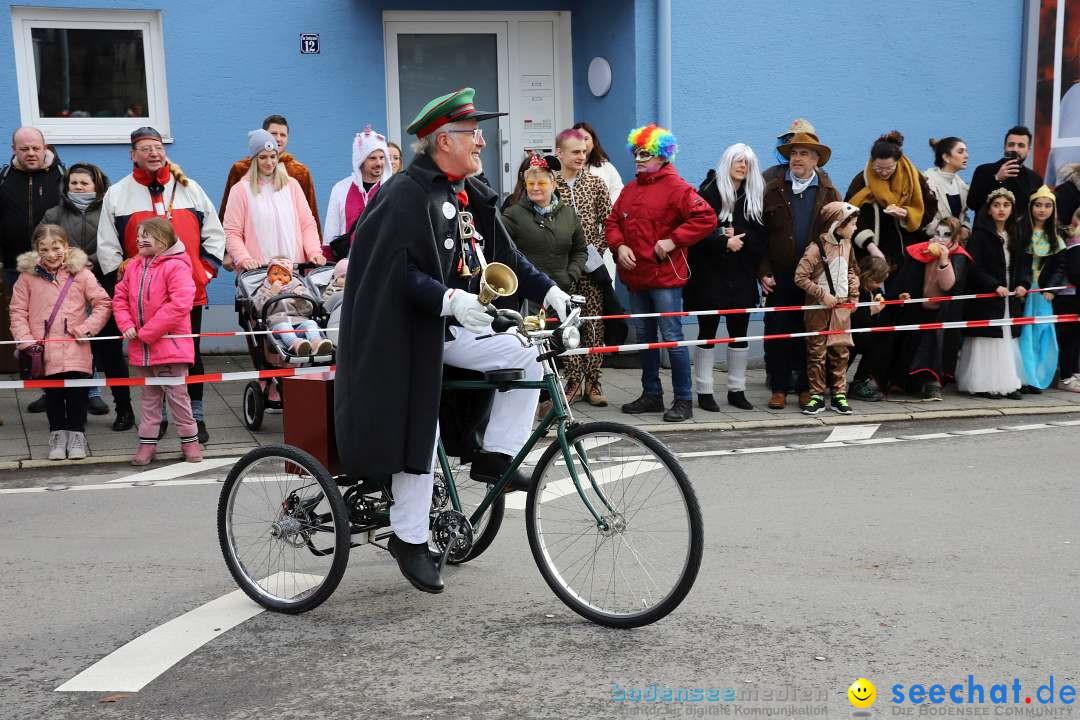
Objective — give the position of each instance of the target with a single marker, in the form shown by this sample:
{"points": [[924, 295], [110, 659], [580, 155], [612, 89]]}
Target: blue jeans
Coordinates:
{"points": [[307, 329], [661, 300]]}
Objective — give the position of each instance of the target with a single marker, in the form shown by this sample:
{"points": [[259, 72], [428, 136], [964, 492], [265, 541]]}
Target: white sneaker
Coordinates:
{"points": [[1071, 384], [58, 444], [76, 445]]}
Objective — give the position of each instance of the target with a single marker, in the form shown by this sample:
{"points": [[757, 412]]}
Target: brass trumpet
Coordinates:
{"points": [[496, 280]]}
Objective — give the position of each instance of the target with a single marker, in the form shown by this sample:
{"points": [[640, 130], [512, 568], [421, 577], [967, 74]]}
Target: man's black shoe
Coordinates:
{"points": [[645, 403], [488, 467], [680, 410], [204, 434], [706, 401], [125, 419], [38, 406], [97, 406], [416, 564]]}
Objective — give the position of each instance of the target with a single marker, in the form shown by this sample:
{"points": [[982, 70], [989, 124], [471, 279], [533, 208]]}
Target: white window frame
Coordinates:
{"points": [[91, 130]]}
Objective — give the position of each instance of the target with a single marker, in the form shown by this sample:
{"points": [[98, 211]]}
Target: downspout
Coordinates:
{"points": [[663, 62]]}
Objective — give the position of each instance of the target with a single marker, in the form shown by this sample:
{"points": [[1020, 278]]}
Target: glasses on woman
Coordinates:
{"points": [[538, 183], [477, 134]]}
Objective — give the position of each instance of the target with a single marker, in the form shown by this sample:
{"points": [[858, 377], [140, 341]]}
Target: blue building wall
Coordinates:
{"points": [[744, 70], [229, 64]]}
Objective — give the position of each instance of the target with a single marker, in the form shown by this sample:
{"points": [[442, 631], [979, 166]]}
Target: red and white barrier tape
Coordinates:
{"points": [[319, 370], [182, 380], [683, 313], [789, 308], [959, 324]]}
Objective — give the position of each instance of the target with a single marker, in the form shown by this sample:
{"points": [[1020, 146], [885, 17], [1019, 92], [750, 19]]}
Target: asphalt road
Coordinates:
{"points": [[906, 561]]}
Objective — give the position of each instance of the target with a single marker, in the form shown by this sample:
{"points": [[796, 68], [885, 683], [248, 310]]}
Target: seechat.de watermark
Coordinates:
{"points": [[1049, 699]]}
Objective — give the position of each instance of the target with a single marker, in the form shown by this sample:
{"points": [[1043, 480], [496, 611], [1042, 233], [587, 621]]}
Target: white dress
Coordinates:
{"points": [[990, 364]]}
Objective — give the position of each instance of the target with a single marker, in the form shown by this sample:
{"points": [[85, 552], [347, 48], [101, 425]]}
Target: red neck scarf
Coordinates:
{"points": [[462, 196]]}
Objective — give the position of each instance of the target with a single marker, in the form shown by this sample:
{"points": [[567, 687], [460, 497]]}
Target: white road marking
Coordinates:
{"points": [[977, 431], [133, 666], [176, 470], [559, 488], [843, 433]]}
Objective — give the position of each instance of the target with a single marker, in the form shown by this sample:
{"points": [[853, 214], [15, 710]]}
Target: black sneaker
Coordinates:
{"points": [[865, 391], [38, 406], [680, 410], [707, 402], [645, 404], [931, 392], [97, 406], [125, 419], [815, 405], [839, 404]]}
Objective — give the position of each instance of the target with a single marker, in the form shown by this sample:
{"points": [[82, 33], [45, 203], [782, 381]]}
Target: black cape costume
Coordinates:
{"points": [[389, 362]]}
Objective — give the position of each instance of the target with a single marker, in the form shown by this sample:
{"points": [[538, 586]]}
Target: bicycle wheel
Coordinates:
{"points": [[639, 564], [471, 494], [283, 529]]}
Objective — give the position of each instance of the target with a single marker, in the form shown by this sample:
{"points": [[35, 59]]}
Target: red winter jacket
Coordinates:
{"points": [[653, 207]]}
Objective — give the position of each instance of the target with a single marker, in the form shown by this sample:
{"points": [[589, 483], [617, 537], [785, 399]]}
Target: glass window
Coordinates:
{"points": [[90, 76], [90, 73]]}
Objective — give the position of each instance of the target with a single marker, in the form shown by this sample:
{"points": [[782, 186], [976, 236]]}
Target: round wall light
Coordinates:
{"points": [[599, 77]]}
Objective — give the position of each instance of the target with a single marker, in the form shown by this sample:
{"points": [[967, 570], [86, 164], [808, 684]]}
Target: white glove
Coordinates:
{"points": [[467, 310], [559, 300]]}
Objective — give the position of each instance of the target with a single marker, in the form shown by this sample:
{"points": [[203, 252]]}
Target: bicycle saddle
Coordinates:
{"points": [[504, 376]]}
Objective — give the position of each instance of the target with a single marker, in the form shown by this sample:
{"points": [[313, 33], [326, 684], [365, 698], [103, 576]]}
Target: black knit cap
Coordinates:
{"points": [[143, 133]]}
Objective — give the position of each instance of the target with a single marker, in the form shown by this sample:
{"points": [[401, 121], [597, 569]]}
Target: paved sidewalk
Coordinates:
{"points": [[24, 436]]}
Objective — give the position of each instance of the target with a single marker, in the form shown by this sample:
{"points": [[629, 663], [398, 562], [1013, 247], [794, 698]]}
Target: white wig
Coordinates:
{"points": [[753, 185]]}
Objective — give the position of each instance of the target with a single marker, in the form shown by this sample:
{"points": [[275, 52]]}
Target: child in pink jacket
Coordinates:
{"points": [[153, 299], [44, 272]]}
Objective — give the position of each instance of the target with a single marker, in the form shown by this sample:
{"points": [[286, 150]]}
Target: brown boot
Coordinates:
{"points": [[804, 398], [573, 391], [778, 401], [595, 396]]}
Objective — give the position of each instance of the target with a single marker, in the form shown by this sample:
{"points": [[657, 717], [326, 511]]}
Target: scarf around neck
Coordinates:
{"points": [[799, 186], [902, 189]]}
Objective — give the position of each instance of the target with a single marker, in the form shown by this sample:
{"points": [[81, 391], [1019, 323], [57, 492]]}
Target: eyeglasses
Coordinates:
{"points": [[477, 134], [643, 155], [541, 183]]}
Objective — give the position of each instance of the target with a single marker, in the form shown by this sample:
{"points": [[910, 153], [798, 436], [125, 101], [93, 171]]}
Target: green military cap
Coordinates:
{"points": [[448, 108]]}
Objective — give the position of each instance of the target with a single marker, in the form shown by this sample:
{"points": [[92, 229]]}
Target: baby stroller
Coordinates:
{"points": [[317, 281], [265, 352]]}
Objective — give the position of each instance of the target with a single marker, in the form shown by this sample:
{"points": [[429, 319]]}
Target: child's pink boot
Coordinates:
{"points": [[192, 451], [145, 454]]}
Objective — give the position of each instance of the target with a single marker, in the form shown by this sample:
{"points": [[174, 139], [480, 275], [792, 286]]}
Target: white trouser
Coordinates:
{"points": [[508, 427]]}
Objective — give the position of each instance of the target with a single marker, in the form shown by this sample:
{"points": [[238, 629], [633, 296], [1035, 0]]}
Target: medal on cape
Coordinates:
{"points": [[448, 243], [448, 210]]}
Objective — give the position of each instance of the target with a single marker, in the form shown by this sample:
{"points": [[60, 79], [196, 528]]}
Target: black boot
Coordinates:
{"points": [[97, 406], [488, 467], [416, 564], [707, 402], [38, 406], [125, 418], [738, 399], [680, 410], [162, 428], [204, 434], [645, 403]]}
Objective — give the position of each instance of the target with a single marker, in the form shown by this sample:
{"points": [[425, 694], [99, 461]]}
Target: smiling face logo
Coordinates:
{"points": [[862, 693]]}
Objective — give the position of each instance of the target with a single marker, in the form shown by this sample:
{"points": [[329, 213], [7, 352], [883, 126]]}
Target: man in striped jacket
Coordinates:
{"points": [[157, 187]]}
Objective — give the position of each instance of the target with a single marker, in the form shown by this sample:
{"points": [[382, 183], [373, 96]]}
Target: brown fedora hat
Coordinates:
{"points": [[810, 141]]}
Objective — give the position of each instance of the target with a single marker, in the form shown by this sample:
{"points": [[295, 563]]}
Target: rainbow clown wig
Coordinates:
{"points": [[654, 140]]}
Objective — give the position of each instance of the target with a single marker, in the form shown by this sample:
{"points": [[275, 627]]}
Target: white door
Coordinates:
{"points": [[518, 62]]}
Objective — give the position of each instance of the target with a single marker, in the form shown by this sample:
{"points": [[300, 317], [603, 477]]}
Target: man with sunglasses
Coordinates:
{"points": [[410, 307]]}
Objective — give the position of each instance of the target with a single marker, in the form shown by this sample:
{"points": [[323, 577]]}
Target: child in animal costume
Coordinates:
{"points": [[290, 318], [828, 274]]}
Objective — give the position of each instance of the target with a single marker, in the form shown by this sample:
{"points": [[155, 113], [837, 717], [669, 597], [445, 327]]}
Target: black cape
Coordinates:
{"points": [[389, 362]]}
